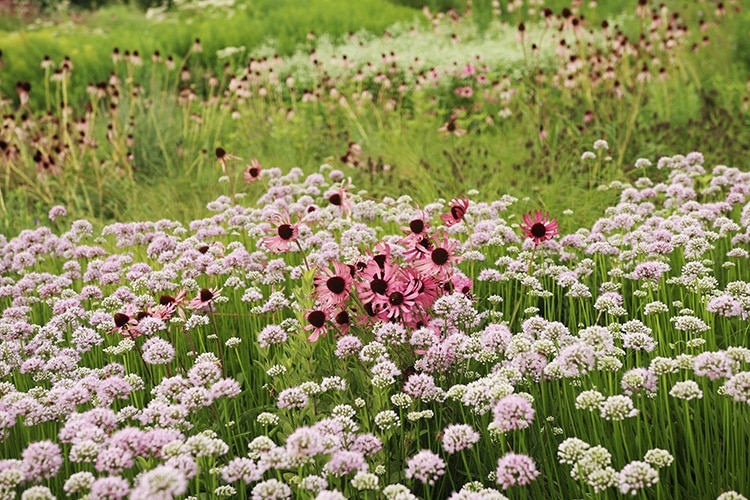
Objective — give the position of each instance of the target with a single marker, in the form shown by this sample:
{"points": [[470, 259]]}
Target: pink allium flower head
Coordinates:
{"points": [[41, 460], [425, 466], [513, 412], [515, 469]]}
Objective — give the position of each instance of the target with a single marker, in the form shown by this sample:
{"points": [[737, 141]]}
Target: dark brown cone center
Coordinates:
{"points": [[317, 318], [378, 286], [121, 319], [206, 295], [538, 230], [396, 299], [416, 226], [336, 284], [286, 232], [440, 256]]}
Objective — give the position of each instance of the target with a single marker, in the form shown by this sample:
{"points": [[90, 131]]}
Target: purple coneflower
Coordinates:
{"points": [[334, 286], [317, 319], [205, 298], [285, 234], [539, 228], [457, 210], [252, 171]]}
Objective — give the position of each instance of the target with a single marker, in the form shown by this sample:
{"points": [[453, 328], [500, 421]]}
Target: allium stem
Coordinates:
{"points": [[218, 340]]}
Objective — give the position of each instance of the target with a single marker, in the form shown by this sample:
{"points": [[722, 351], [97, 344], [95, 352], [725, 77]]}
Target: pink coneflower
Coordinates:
{"points": [[376, 279], [167, 306], [539, 228], [340, 198], [450, 127], [205, 298], [440, 261], [126, 323], [334, 286], [285, 233], [457, 210], [400, 300], [342, 320], [252, 171], [416, 230], [223, 157], [317, 319]]}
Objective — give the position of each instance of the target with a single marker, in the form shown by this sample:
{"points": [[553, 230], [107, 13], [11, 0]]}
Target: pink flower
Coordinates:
{"points": [[539, 228], [440, 261], [205, 298], [285, 233], [317, 320], [425, 466], [457, 210], [515, 469], [252, 171], [333, 287], [513, 412]]}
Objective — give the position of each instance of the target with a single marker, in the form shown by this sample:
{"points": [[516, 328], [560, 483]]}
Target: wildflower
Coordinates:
{"points": [[512, 412], [157, 351], [333, 287], [617, 407], [285, 234], [56, 212], [456, 211], [109, 488], [272, 335], [738, 387], [572, 450], [386, 420], [459, 437], [440, 261], [343, 462], [635, 476], [205, 298], [425, 466], [686, 390], [252, 171], [317, 319], [658, 457], [41, 460], [271, 489], [539, 228], [292, 398], [450, 127], [515, 469], [162, 481]]}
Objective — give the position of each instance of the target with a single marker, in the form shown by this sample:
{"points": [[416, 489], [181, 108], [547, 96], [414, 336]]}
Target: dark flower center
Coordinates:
{"points": [[451, 126], [203, 249], [440, 256], [378, 286], [538, 230], [369, 309], [206, 295], [254, 172], [416, 226], [335, 199], [379, 260], [342, 318], [457, 212], [141, 315], [317, 318], [396, 299], [220, 153], [337, 284], [425, 243], [286, 231], [121, 319], [165, 300]]}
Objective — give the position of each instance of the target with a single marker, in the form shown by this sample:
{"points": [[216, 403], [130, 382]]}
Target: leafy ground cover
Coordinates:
{"points": [[323, 322]]}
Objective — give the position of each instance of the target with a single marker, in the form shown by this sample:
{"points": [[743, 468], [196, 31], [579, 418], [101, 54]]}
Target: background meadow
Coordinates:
{"points": [[374, 250]]}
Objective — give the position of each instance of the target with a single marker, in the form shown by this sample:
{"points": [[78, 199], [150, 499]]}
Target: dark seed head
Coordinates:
{"points": [[317, 318], [203, 249], [538, 230], [286, 232], [206, 295], [342, 318], [440, 256], [141, 315], [457, 212], [369, 309], [254, 172], [416, 226], [380, 260], [396, 299], [165, 300], [378, 286], [335, 199], [337, 284], [220, 153], [121, 319]]}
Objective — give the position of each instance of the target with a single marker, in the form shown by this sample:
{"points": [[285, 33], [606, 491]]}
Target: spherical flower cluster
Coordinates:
{"points": [[512, 412], [157, 351], [636, 476], [425, 466], [515, 469], [617, 407], [686, 390], [459, 437], [738, 387]]}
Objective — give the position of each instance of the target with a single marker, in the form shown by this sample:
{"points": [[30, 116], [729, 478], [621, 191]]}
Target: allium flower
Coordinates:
{"points": [[636, 476], [658, 457], [617, 407], [515, 469], [161, 482], [272, 489], [157, 351], [284, 234], [272, 335], [292, 397], [36, 493], [512, 412], [109, 488], [343, 462], [41, 460], [459, 437], [425, 466], [456, 211], [57, 211], [686, 390], [539, 228], [738, 387]]}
